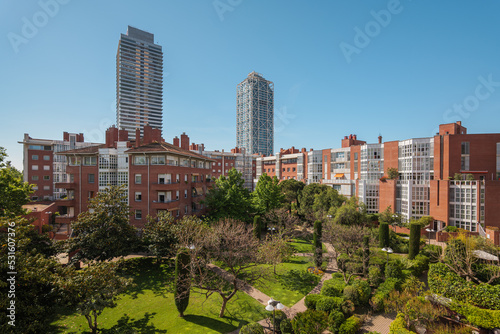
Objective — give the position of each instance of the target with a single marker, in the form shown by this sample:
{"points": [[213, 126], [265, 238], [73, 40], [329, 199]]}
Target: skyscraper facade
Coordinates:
{"points": [[255, 115], [139, 82]]}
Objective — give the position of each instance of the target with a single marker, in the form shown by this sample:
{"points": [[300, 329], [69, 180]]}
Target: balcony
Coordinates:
{"points": [[64, 219], [66, 202], [166, 201], [66, 185]]}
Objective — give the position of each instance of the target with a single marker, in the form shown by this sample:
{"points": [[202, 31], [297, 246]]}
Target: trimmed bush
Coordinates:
{"points": [[318, 250], [310, 322], [333, 287], [311, 301], [182, 286], [383, 291], [394, 269], [348, 308], [252, 328], [398, 326], [328, 304], [477, 316], [383, 238], [286, 326], [335, 320], [366, 255], [350, 326], [418, 265], [414, 245], [375, 276], [256, 227], [445, 282], [359, 292]]}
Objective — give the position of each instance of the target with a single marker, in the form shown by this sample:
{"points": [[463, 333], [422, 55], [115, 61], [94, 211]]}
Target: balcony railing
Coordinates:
{"points": [[166, 201], [66, 185]]}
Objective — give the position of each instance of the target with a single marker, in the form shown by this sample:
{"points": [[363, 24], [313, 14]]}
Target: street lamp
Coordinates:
{"points": [[388, 250], [430, 230], [272, 305]]}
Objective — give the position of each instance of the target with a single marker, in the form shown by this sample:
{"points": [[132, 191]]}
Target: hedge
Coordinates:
{"points": [[398, 326], [418, 265], [447, 283], [383, 292], [359, 292], [350, 326], [311, 322], [328, 304], [335, 320], [478, 316], [252, 328], [333, 287], [311, 301], [286, 326]]}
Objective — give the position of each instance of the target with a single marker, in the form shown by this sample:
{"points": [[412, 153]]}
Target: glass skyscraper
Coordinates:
{"points": [[255, 115], [139, 82]]}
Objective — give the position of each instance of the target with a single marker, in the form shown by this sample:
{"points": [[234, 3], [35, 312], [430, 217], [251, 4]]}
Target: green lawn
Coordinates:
{"points": [[273, 287], [304, 245], [149, 308]]}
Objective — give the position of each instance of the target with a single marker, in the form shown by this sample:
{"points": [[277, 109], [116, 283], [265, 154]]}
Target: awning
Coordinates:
{"points": [[199, 191], [173, 209], [339, 175], [195, 174]]}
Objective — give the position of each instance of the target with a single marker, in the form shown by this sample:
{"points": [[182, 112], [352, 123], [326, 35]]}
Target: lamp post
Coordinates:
{"points": [[430, 230], [388, 251], [272, 305]]}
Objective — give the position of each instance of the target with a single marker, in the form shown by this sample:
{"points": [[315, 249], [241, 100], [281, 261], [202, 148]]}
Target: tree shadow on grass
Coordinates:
{"points": [[149, 275], [127, 325], [299, 280], [210, 323]]}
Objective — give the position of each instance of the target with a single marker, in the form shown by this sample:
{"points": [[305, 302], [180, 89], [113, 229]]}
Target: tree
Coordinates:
{"points": [[275, 250], [14, 193], [392, 173], [267, 194], [95, 288], [306, 198], [318, 247], [351, 213], [257, 228], [229, 198], [281, 220], [291, 189], [327, 202], [159, 235], [182, 281], [231, 245], [104, 232], [383, 230], [414, 244], [366, 255]]}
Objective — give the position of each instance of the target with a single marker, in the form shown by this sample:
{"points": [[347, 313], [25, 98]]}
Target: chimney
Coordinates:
{"points": [[137, 137], [184, 141], [122, 135], [354, 137], [380, 139], [176, 141]]}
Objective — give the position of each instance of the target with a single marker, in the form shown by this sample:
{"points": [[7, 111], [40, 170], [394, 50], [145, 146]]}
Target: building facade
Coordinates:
{"points": [[156, 175], [43, 167], [139, 82], [255, 115]]}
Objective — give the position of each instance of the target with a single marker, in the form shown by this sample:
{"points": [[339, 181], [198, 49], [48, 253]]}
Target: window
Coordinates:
{"points": [[46, 167], [138, 178], [293, 169], [34, 157], [464, 163], [91, 178], [91, 194], [288, 169], [46, 157], [178, 178], [89, 161], [138, 196], [177, 195], [186, 209], [74, 161], [139, 160], [34, 177], [185, 177], [158, 160], [164, 178], [185, 193], [46, 177], [138, 214], [34, 167], [465, 147], [46, 187], [35, 187]]}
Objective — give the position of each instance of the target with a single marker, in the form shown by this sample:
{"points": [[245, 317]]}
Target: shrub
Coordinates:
{"points": [[182, 286], [383, 235], [364, 291], [350, 293], [450, 228], [348, 308], [375, 276], [416, 266], [286, 326], [252, 328], [279, 316], [383, 291], [333, 287], [335, 320], [378, 259], [327, 304], [256, 227], [433, 252], [398, 326], [311, 322], [350, 326], [414, 244], [311, 301], [394, 269], [445, 282], [477, 316]]}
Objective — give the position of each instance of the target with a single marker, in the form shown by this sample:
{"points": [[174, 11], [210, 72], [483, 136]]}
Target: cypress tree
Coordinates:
{"points": [[318, 250], [414, 245], [383, 231], [366, 255], [256, 227], [182, 283]]}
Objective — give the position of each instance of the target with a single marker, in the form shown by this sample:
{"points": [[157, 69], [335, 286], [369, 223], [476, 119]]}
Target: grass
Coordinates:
{"points": [[304, 244], [275, 289], [149, 307]]}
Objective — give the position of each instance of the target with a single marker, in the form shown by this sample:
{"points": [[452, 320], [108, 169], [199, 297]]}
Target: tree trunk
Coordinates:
{"points": [[223, 308]]}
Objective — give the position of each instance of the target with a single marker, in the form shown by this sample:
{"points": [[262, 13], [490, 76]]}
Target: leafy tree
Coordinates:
{"points": [[104, 232], [306, 199], [95, 288], [257, 228], [14, 193], [275, 250], [318, 249], [229, 198], [267, 194], [159, 235], [281, 220], [392, 173], [291, 188], [351, 213], [327, 202], [182, 281]]}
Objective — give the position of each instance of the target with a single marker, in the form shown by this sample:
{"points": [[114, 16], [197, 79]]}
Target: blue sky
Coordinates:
{"points": [[396, 68]]}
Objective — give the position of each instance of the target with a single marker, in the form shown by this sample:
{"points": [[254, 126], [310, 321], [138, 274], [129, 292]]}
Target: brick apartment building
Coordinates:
{"points": [[158, 176], [427, 170], [42, 167]]}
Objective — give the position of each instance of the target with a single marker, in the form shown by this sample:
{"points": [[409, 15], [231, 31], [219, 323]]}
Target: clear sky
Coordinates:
{"points": [[395, 68]]}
